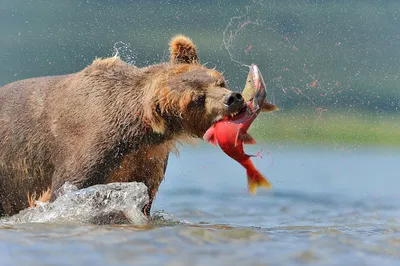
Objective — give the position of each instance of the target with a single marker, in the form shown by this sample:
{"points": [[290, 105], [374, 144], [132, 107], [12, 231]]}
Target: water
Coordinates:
{"points": [[115, 203], [330, 205]]}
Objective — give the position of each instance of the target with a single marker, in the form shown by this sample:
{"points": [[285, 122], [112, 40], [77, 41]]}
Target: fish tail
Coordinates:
{"points": [[255, 179]]}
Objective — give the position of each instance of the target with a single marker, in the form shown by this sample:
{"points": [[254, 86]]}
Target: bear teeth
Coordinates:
{"points": [[218, 118]]}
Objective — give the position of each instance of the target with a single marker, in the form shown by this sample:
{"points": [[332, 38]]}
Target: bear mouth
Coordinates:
{"points": [[231, 114]]}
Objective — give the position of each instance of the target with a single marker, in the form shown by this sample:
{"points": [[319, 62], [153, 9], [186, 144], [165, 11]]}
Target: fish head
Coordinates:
{"points": [[254, 92], [260, 93], [249, 89]]}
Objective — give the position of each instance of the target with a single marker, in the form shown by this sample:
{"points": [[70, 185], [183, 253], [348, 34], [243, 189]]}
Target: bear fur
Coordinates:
{"points": [[110, 122]]}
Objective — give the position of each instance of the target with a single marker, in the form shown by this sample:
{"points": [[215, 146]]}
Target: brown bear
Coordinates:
{"points": [[110, 122]]}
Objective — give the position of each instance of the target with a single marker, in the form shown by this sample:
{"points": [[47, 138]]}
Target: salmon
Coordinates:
{"points": [[230, 133]]}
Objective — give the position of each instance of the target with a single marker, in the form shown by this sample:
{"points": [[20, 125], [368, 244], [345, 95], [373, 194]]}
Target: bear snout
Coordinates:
{"points": [[234, 101]]}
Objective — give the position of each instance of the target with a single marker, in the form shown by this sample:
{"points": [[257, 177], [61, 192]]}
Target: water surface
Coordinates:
{"points": [[330, 205]]}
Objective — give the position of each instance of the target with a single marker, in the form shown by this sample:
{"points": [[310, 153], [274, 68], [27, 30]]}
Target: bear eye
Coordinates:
{"points": [[198, 101], [221, 83]]}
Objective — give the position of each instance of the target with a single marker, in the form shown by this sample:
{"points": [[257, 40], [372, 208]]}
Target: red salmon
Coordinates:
{"points": [[231, 132]]}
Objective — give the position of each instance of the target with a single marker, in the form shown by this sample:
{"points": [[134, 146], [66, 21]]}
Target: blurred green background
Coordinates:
{"points": [[331, 66]]}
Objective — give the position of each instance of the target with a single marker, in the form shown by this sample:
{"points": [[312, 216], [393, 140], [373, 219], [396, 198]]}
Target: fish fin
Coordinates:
{"points": [[268, 107], [210, 136], [248, 139], [255, 180]]}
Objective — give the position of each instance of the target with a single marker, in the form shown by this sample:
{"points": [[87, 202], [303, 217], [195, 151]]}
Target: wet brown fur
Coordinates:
{"points": [[110, 122], [44, 197]]}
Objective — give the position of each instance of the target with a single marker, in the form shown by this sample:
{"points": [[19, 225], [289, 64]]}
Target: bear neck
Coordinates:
{"points": [[130, 96]]}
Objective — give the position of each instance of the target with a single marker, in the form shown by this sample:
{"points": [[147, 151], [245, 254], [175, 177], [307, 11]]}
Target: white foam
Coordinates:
{"points": [[113, 203]]}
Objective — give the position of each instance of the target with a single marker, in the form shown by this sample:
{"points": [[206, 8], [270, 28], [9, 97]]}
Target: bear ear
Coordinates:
{"points": [[183, 50]]}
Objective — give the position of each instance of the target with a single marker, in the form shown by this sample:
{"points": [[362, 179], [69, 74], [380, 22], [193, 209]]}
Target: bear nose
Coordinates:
{"points": [[234, 100]]}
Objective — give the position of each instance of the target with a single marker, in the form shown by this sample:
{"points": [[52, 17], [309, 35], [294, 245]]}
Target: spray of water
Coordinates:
{"points": [[115, 203], [125, 52]]}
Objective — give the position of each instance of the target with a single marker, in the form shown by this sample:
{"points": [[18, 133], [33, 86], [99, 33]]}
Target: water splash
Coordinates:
{"points": [[115, 203], [234, 27], [125, 52], [162, 218]]}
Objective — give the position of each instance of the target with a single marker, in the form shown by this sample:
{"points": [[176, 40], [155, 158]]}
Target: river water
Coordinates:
{"points": [[330, 205]]}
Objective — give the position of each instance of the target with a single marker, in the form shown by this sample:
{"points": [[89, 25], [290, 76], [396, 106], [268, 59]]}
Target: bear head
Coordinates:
{"points": [[192, 97]]}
